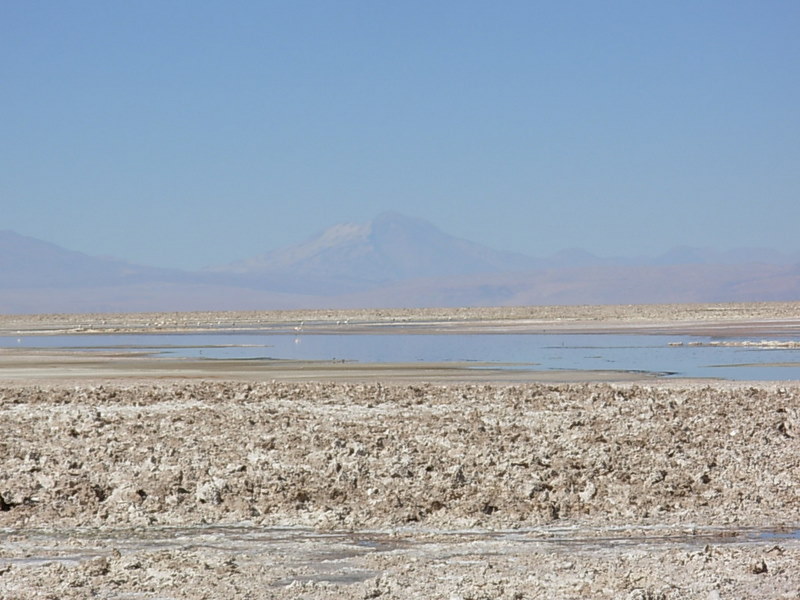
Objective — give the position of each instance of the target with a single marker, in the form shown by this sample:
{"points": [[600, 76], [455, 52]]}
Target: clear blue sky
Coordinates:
{"points": [[190, 133]]}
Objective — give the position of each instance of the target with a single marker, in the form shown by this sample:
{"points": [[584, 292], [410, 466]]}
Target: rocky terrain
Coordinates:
{"points": [[660, 491]]}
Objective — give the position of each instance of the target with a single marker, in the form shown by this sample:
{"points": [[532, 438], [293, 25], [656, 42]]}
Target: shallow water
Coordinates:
{"points": [[322, 550], [666, 355]]}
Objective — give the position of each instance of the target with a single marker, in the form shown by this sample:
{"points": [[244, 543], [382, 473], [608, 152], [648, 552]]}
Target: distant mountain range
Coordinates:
{"points": [[391, 261], [354, 257]]}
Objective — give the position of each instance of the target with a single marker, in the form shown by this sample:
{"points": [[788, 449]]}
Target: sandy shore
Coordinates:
{"points": [[141, 481], [717, 319], [79, 367]]}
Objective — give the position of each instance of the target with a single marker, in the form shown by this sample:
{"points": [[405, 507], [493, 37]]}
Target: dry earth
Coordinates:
{"points": [[171, 488]]}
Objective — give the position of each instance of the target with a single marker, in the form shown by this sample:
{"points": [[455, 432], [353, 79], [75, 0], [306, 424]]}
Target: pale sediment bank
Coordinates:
{"points": [[92, 367], [716, 319]]}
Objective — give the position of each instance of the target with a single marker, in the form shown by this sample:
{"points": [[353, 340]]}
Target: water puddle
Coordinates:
{"points": [[334, 556]]}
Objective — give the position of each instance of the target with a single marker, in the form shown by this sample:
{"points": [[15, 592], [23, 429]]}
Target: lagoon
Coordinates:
{"points": [[669, 356]]}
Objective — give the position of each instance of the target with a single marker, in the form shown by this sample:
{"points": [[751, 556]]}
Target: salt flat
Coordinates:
{"points": [[134, 480]]}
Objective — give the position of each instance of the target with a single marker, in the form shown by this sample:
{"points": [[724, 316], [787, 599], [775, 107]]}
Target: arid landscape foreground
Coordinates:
{"points": [[164, 483]]}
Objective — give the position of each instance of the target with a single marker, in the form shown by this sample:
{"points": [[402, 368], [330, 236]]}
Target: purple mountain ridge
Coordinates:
{"points": [[28, 262], [391, 261], [359, 256]]}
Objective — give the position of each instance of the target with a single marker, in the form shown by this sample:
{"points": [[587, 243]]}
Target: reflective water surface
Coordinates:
{"points": [[777, 358], [321, 550]]}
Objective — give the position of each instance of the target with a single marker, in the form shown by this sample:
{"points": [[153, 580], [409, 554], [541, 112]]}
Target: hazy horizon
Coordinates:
{"points": [[312, 237], [195, 134]]}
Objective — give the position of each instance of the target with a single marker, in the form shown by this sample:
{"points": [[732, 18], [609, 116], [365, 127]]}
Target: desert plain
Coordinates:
{"points": [[143, 477]]}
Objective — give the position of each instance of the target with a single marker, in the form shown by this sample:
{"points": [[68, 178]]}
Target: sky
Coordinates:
{"points": [[187, 133]]}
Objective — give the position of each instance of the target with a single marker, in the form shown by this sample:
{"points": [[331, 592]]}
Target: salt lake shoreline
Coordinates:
{"points": [[434, 485], [697, 319]]}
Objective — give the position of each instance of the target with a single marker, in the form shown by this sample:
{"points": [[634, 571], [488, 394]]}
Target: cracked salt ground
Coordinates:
{"points": [[142, 490]]}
